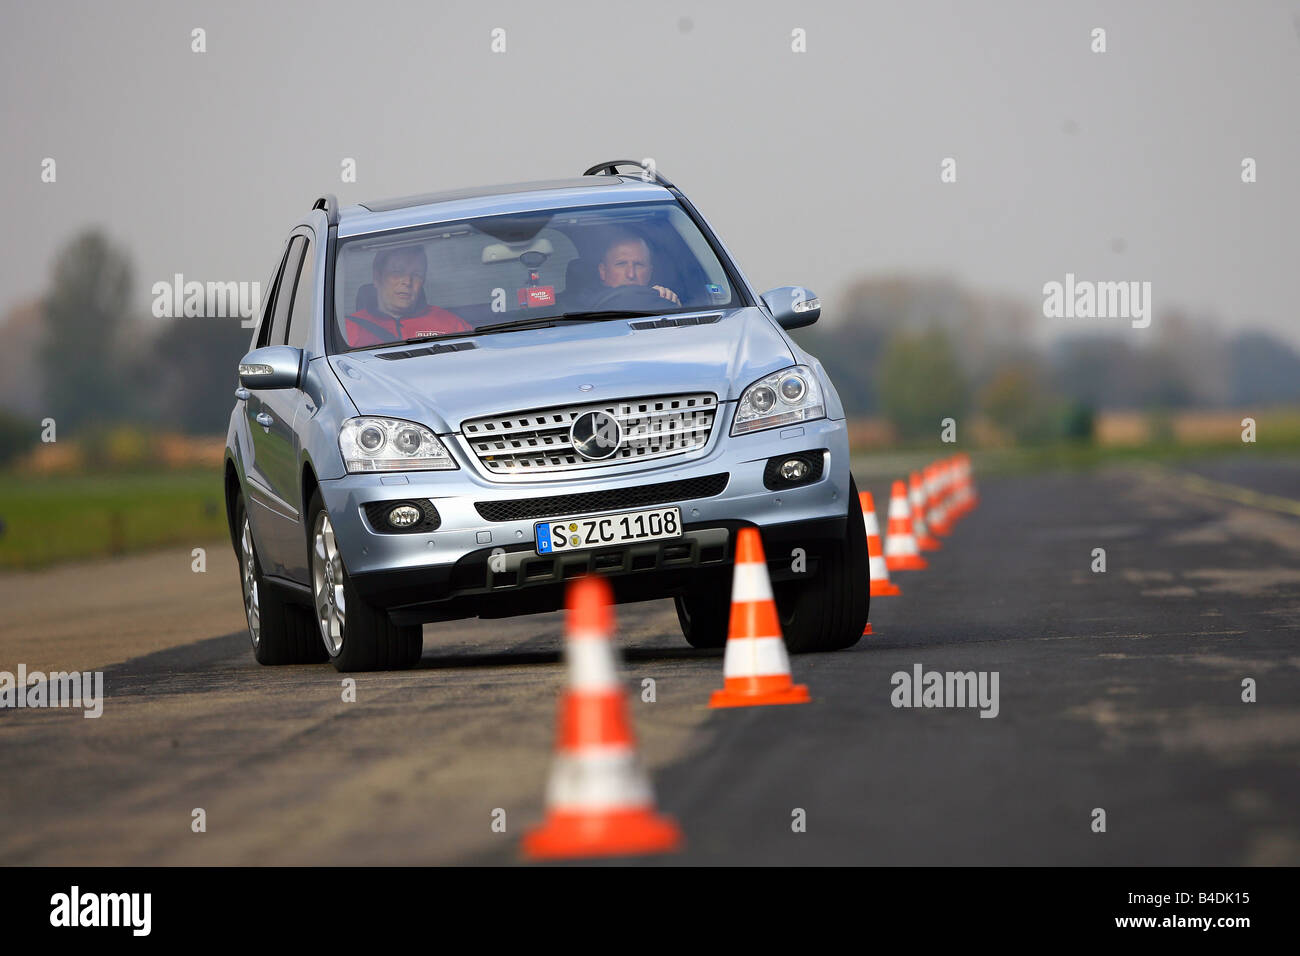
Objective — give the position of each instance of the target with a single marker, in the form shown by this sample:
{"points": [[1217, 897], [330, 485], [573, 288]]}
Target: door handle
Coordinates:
{"points": [[243, 394], [265, 420]]}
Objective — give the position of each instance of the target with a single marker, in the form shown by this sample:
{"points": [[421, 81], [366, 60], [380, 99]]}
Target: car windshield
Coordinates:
{"points": [[457, 277]]}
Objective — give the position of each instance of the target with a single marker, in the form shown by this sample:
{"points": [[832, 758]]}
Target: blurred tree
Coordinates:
{"points": [[849, 355], [1016, 400], [84, 310], [1079, 422], [1263, 370], [16, 436], [920, 382], [1164, 384], [194, 362]]}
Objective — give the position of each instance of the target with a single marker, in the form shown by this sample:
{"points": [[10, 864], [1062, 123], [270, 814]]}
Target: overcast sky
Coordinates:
{"points": [[816, 168]]}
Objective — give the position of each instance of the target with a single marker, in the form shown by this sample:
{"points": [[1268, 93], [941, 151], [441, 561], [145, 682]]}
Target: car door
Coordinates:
{"points": [[272, 473], [301, 322]]}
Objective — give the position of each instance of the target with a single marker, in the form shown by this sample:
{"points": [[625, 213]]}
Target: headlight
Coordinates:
{"points": [[388, 444], [782, 398]]}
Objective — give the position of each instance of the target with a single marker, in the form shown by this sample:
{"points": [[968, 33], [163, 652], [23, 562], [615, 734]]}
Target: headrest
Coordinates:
{"points": [[579, 274]]}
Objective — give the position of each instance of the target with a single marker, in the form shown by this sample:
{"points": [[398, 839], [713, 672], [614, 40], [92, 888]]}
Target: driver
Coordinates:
{"points": [[401, 311], [627, 263]]}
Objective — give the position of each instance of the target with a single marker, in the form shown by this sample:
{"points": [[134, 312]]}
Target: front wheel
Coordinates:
{"points": [[281, 632], [828, 612], [356, 636], [703, 614]]}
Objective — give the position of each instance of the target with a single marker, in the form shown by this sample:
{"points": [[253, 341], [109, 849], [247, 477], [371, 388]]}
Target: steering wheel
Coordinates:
{"points": [[634, 298]]}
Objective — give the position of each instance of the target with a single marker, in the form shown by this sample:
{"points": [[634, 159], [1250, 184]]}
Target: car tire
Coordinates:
{"points": [[281, 632], [828, 612], [703, 614], [354, 635]]}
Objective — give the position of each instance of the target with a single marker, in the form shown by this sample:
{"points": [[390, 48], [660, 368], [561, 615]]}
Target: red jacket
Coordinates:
{"points": [[367, 328]]}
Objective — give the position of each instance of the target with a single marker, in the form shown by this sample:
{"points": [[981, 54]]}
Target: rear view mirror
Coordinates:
{"points": [[793, 306], [275, 366]]}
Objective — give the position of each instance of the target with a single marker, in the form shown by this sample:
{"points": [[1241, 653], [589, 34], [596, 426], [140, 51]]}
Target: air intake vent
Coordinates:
{"points": [[428, 350], [587, 502], [676, 321]]}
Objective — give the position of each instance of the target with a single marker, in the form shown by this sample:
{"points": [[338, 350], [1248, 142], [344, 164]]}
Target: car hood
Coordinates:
{"points": [[536, 368]]}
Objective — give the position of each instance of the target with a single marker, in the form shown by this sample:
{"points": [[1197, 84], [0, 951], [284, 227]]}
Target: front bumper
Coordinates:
{"points": [[474, 566]]}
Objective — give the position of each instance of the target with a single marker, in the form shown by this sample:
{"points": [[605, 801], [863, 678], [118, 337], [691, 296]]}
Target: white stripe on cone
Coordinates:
{"points": [[749, 582], [755, 657], [876, 569], [591, 663], [916, 497], [598, 778], [900, 545], [966, 487], [934, 488], [870, 523]]}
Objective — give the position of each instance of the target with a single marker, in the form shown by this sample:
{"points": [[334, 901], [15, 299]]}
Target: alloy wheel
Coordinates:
{"points": [[248, 576], [327, 584]]}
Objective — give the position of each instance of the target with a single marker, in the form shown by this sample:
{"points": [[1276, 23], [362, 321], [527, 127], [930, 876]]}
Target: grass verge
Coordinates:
{"points": [[61, 518]]}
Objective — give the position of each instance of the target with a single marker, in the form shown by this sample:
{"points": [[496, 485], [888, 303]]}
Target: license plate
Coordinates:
{"points": [[576, 534]]}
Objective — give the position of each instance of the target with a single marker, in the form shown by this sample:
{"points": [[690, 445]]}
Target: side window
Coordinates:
{"points": [[304, 297], [268, 303], [284, 295]]}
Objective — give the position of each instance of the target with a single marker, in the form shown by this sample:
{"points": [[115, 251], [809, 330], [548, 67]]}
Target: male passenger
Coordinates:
{"points": [[400, 312]]}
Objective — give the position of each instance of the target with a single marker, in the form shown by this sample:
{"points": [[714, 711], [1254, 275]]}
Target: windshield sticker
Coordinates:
{"points": [[537, 295]]}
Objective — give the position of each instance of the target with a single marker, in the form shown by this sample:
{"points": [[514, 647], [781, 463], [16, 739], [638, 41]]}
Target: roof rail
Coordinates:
{"points": [[331, 207], [610, 168]]}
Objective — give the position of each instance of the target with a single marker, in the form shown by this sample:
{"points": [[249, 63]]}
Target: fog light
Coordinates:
{"points": [[794, 469], [403, 516]]}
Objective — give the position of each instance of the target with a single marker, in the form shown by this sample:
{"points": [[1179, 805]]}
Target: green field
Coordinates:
{"points": [[51, 519]]}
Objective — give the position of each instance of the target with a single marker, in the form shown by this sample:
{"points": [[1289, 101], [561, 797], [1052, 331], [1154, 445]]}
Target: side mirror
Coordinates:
{"points": [[275, 366], [793, 306]]}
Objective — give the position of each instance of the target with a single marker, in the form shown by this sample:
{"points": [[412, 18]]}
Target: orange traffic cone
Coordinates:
{"points": [[598, 801], [881, 586], [916, 495], [756, 666], [937, 513], [956, 502], [960, 490], [967, 484], [901, 552]]}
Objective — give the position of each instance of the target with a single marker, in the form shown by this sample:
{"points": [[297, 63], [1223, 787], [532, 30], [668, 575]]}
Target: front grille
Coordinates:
{"points": [[538, 441], [519, 509]]}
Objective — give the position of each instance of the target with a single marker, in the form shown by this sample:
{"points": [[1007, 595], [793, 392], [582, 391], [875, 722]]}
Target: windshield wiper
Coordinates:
{"points": [[540, 322], [597, 314]]}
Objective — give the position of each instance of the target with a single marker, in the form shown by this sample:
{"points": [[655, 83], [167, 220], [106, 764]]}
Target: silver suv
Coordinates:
{"points": [[455, 403]]}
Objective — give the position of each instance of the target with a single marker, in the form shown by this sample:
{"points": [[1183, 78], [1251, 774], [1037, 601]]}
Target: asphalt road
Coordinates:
{"points": [[1118, 690]]}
